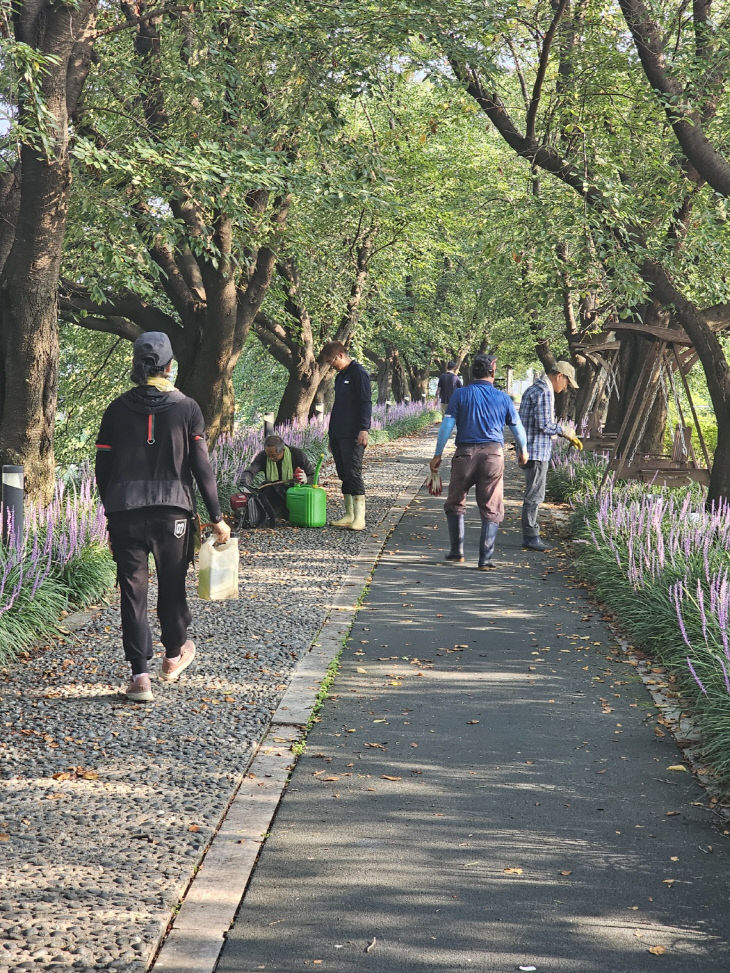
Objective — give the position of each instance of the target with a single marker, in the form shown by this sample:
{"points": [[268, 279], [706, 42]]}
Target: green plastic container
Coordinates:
{"points": [[307, 503]]}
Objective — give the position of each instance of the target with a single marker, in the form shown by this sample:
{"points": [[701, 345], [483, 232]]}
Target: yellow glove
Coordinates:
{"points": [[574, 441]]}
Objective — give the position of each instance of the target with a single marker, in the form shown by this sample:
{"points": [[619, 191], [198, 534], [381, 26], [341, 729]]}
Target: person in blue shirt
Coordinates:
{"points": [[479, 412]]}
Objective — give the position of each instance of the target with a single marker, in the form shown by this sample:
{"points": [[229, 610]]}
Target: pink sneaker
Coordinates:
{"points": [[171, 670], [139, 690]]}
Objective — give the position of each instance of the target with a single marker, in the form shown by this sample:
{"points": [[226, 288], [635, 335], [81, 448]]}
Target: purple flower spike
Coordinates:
{"points": [[695, 676]]}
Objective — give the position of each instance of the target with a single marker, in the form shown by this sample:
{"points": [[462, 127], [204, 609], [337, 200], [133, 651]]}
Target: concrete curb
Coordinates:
{"points": [[195, 940]]}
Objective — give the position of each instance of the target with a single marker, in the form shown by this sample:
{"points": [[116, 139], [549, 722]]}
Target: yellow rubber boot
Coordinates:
{"points": [[358, 521], [347, 519]]}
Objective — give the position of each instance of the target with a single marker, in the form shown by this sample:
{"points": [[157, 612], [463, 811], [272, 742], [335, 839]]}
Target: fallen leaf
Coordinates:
{"points": [[388, 777], [657, 950], [4, 837], [512, 871], [193, 828], [677, 767], [566, 872]]}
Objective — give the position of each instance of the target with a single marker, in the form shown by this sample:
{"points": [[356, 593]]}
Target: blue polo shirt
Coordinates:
{"points": [[481, 412]]}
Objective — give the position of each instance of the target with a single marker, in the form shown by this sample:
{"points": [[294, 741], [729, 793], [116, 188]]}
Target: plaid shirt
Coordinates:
{"points": [[537, 412]]}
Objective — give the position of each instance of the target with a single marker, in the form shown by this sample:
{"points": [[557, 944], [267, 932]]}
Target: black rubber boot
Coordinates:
{"points": [[535, 544], [487, 540], [456, 536]]}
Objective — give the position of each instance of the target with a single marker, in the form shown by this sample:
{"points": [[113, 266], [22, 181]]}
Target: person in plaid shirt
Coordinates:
{"points": [[537, 412]]}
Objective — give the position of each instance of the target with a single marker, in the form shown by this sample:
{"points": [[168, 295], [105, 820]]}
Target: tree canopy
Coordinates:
{"points": [[420, 179]]}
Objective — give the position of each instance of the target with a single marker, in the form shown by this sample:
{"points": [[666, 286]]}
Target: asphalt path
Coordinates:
{"points": [[488, 788]]}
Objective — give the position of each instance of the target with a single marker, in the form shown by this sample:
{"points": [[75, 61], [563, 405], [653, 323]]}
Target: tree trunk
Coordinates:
{"points": [[719, 488], [384, 380], [29, 372], [389, 377], [400, 381], [326, 393], [418, 384], [37, 202], [298, 398], [206, 366]]}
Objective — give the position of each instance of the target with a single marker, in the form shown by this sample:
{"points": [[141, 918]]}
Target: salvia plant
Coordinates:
{"points": [[661, 559], [59, 562]]}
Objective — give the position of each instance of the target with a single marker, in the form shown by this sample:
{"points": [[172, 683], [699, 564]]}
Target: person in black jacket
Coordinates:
{"points": [[150, 447], [348, 430], [281, 466], [447, 382]]}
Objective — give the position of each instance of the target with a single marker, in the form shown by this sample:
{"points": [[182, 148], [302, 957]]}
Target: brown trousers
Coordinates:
{"points": [[480, 465]]}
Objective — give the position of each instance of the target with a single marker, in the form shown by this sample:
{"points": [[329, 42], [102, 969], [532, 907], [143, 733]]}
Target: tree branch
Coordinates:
{"points": [[274, 337], [685, 121], [541, 70]]}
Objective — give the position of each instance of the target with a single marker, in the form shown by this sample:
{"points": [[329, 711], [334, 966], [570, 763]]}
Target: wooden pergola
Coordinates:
{"points": [[671, 354]]}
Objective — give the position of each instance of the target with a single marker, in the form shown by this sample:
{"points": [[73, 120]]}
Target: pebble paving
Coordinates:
{"points": [[106, 807]]}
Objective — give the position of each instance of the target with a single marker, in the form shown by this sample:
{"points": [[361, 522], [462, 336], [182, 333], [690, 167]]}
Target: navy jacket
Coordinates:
{"points": [[353, 406]]}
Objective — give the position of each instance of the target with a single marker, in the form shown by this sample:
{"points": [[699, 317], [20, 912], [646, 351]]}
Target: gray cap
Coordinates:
{"points": [[565, 368], [154, 348]]}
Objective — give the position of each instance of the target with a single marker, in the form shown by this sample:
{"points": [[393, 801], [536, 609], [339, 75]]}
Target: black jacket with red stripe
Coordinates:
{"points": [[150, 446]]}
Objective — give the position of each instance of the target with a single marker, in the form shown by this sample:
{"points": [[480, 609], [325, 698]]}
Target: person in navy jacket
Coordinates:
{"points": [[348, 430]]}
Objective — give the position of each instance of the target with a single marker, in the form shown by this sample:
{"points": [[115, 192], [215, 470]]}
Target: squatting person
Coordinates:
{"points": [[151, 444], [279, 465]]}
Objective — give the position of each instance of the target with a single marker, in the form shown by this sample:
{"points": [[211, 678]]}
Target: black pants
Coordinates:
{"points": [[276, 498], [348, 454], [164, 533]]}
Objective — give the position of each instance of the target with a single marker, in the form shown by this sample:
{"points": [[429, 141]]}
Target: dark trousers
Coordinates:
{"points": [[480, 465], [536, 472], [276, 496], [162, 532], [348, 455]]}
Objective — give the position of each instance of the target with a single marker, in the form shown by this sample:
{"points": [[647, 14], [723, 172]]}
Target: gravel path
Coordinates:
{"points": [[107, 806]]}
